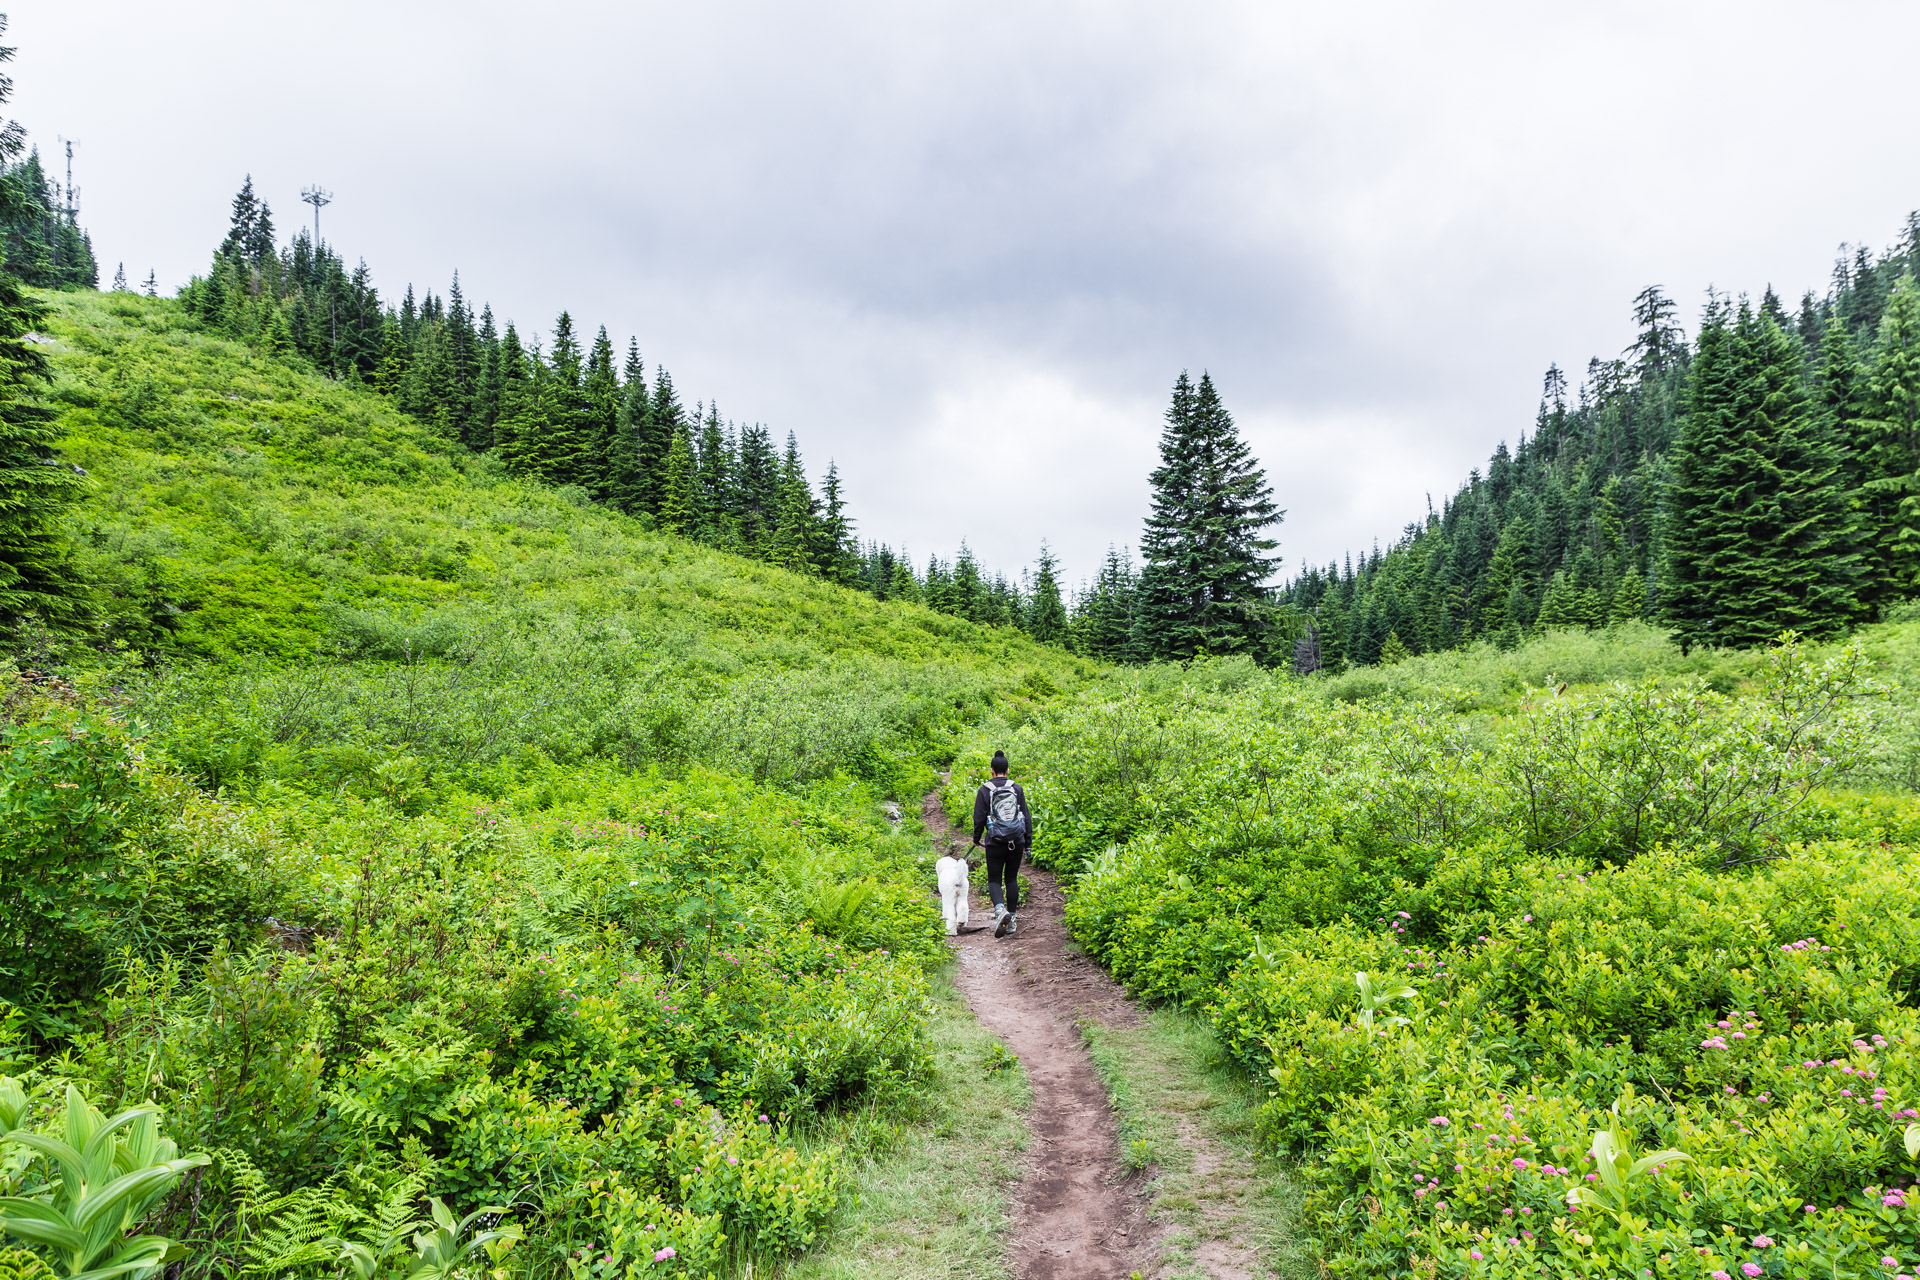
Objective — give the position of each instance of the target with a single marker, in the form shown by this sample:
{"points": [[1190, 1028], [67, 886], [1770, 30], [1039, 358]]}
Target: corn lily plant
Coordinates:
{"points": [[448, 1247], [1618, 1170], [107, 1174], [1374, 995]]}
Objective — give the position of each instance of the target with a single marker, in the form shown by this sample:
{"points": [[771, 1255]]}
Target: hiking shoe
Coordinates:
{"points": [[1005, 926], [1013, 924]]}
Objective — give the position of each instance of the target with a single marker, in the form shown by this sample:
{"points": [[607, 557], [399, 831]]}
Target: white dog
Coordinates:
{"points": [[955, 888]]}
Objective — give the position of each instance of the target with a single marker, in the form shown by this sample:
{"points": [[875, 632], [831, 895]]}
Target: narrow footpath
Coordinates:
{"points": [[1078, 1212], [1075, 1215]]}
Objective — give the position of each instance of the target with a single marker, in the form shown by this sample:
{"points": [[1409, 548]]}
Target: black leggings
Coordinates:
{"points": [[1004, 858]]}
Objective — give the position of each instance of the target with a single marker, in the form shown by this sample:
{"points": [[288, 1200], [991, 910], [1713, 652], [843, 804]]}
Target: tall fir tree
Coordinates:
{"points": [[521, 428], [714, 481], [1889, 446], [565, 454], [795, 531], [628, 483], [602, 388], [1046, 615], [1202, 587], [665, 419], [36, 488], [835, 549], [679, 511], [1760, 539]]}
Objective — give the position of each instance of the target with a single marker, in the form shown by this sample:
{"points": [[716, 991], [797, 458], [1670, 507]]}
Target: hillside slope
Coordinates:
{"points": [[423, 833], [240, 499]]}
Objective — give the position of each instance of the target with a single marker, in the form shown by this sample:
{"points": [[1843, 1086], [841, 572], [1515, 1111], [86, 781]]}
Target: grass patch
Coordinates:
{"points": [[930, 1196], [1187, 1114]]}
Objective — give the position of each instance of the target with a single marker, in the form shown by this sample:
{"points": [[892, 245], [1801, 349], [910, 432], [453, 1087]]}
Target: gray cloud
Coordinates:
{"points": [[937, 239]]}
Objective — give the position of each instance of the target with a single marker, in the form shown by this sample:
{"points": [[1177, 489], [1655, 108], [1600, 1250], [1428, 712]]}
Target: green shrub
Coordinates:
{"points": [[1454, 946]]}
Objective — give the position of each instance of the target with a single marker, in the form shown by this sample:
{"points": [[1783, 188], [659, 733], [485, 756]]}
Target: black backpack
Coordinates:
{"points": [[1005, 822]]}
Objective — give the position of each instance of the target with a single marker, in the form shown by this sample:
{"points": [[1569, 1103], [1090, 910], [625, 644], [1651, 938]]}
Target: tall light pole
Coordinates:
{"points": [[316, 196]]}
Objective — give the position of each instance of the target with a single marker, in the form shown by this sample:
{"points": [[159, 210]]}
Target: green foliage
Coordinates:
{"points": [[1205, 544], [442, 834], [1620, 1173], [1374, 997], [93, 1181], [1759, 533], [1759, 479], [1604, 981], [66, 779]]}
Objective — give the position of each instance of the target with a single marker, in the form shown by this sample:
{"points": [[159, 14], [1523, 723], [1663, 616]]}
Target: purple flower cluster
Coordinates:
{"points": [[1805, 944]]}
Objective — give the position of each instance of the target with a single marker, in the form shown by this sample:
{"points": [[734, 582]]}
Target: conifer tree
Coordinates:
{"points": [[835, 550], [462, 345], [36, 579], [967, 595], [1046, 619], [1759, 534], [565, 452], [794, 532], [1202, 588], [1629, 599], [665, 419], [602, 390], [152, 286], [1558, 607], [520, 428], [1889, 451], [240, 232], [1103, 614], [120, 278], [756, 492], [486, 384], [628, 481], [902, 584], [714, 487], [678, 512], [1334, 625]]}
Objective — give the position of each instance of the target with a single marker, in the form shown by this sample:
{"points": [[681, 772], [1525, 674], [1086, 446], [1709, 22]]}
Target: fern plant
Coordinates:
{"points": [[281, 1233], [18, 1264], [380, 1234], [104, 1177]]}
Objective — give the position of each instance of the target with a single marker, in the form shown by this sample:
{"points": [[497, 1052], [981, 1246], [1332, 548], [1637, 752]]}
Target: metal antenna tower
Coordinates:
{"points": [[318, 197], [72, 193]]}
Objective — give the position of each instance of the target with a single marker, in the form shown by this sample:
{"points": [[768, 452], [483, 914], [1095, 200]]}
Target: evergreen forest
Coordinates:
{"points": [[583, 414], [1754, 479]]}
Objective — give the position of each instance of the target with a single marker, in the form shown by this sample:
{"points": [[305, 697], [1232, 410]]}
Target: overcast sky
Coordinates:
{"points": [[964, 249]]}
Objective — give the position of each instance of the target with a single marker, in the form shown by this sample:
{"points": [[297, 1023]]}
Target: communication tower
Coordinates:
{"points": [[318, 197]]}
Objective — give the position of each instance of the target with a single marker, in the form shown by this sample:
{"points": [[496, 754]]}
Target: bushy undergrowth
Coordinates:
{"points": [[483, 883], [598, 995], [1480, 958]]}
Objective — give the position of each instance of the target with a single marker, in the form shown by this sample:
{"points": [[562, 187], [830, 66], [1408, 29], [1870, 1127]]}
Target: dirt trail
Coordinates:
{"points": [[1076, 1217]]}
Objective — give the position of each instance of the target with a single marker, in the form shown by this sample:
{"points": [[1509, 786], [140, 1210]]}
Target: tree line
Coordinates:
{"points": [[573, 410], [45, 249], [1760, 477], [1763, 476]]}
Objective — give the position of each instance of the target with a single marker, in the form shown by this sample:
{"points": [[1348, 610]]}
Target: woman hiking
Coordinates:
{"points": [[1000, 812]]}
